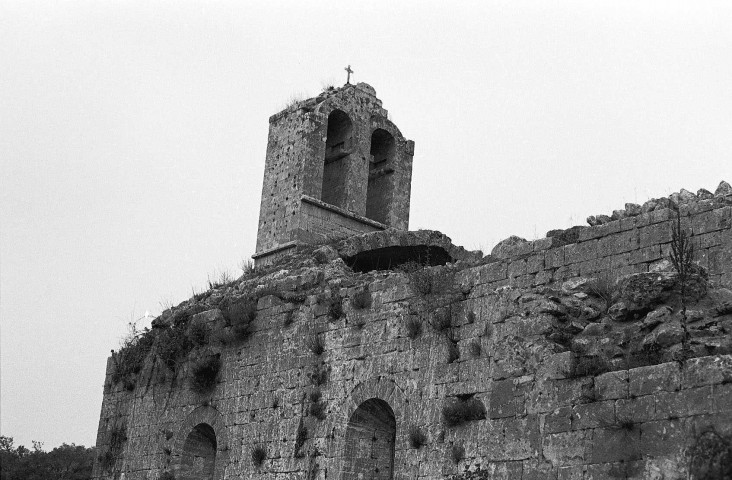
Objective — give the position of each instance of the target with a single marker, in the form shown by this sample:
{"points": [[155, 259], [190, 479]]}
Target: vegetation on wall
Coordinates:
{"points": [[417, 438], [204, 373], [300, 437], [457, 411]]}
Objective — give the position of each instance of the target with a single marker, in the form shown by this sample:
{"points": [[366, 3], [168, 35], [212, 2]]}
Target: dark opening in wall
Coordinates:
{"points": [[380, 186], [389, 258], [198, 458], [369, 442], [338, 146]]}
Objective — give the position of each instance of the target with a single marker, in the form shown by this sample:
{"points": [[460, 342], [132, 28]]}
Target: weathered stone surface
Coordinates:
{"points": [[632, 209], [618, 214], [505, 248], [704, 194], [723, 189], [643, 291]]}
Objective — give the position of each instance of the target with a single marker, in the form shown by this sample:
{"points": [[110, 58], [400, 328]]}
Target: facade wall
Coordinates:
{"points": [[540, 420]]}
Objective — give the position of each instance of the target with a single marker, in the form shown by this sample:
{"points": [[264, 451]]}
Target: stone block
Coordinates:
{"points": [[707, 370], [693, 401], [661, 437], [613, 444], [567, 448], [592, 415], [641, 409], [665, 377], [612, 385], [502, 399], [560, 420], [654, 234]]}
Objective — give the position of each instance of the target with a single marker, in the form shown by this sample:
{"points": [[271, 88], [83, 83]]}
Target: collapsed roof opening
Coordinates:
{"points": [[389, 258]]}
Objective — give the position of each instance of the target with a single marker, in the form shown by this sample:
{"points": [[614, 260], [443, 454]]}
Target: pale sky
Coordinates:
{"points": [[133, 137]]}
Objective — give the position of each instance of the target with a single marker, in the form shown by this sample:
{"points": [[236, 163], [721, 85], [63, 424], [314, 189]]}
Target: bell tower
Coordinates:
{"points": [[336, 166]]}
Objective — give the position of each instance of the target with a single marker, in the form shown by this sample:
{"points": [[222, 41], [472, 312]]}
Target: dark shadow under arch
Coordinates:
{"points": [[369, 442], [198, 458], [379, 193], [338, 146]]}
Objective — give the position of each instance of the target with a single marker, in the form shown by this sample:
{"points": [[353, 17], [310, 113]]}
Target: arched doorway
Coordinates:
{"points": [[198, 458], [337, 148], [369, 442], [379, 191]]}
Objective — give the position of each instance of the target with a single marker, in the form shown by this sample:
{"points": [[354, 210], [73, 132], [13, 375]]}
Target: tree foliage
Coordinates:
{"points": [[67, 462]]}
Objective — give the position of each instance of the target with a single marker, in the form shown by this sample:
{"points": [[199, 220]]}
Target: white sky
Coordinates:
{"points": [[133, 135]]}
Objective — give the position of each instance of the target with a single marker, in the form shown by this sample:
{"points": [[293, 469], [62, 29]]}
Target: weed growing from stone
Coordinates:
{"points": [[173, 345], [457, 453], [413, 326], [457, 411], [475, 348], [441, 320], [588, 365], [315, 344], [317, 406], [682, 258], [417, 438], [605, 288], [335, 307], [166, 475], [319, 376], [470, 318], [289, 318], [453, 352], [361, 300], [259, 455], [117, 440], [204, 373], [300, 437]]}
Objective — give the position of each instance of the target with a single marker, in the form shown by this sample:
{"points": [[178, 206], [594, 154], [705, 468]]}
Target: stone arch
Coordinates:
{"points": [[372, 416], [200, 446], [380, 181], [338, 146]]}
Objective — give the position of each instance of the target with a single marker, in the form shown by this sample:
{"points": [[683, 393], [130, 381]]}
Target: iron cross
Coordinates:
{"points": [[348, 69]]}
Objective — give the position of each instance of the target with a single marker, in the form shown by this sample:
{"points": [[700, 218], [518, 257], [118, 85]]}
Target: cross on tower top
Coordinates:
{"points": [[348, 69]]}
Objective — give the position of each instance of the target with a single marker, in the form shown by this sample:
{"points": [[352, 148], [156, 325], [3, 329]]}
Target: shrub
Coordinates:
{"points": [[240, 314], [335, 307], [300, 437], [259, 455], [417, 438], [414, 327], [172, 345], [475, 348], [457, 452], [425, 280], [441, 320], [453, 352], [458, 411], [199, 334], [361, 300], [317, 406], [605, 288], [289, 318], [128, 361], [319, 376], [470, 317], [204, 373], [588, 365], [315, 344]]}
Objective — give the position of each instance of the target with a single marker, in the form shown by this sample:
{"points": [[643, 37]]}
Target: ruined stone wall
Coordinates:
{"points": [[450, 367]]}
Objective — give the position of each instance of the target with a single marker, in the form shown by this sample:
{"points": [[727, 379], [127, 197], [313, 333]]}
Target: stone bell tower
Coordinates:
{"points": [[336, 166]]}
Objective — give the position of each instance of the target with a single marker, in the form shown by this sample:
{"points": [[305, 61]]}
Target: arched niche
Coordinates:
{"points": [[380, 184], [198, 456], [369, 442], [338, 145]]}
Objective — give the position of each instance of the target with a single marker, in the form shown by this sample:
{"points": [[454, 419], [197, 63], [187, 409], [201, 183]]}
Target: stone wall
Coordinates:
{"points": [[449, 367]]}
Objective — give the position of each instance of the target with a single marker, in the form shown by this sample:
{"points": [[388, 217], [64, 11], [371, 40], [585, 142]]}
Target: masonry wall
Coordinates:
{"points": [[540, 420]]}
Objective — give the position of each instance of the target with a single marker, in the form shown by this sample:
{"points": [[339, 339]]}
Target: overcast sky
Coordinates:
{"points": [[133, 137]]}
